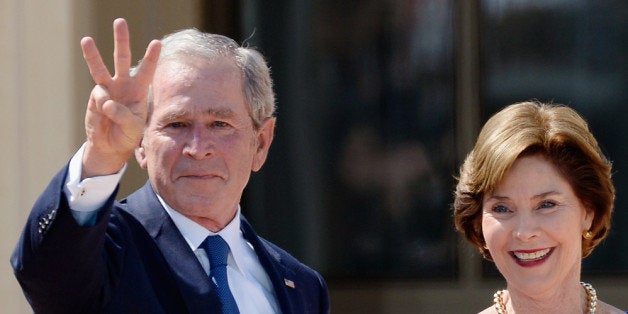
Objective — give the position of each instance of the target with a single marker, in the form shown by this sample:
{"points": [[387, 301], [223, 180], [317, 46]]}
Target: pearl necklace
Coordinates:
{"points": [[500, 307]]}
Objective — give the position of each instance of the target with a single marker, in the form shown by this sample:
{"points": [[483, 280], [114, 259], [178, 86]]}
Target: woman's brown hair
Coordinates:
{"points": [[555, 131]]}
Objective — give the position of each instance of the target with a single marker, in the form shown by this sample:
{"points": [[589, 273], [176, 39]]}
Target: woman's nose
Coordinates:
{"points": [[526, 228]]}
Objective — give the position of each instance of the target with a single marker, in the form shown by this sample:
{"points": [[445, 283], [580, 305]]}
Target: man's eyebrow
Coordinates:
{"points": [[175, 115], [178, 114], [220, 112]]}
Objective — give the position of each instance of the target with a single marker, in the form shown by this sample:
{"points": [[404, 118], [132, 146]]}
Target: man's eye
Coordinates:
{"points": [[220, 124], [176, 125]]}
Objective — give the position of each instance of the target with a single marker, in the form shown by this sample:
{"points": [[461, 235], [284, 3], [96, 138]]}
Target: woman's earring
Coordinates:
{"points": [[587, 234]]}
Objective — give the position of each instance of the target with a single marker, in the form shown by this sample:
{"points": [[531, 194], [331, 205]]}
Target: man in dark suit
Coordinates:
{"points": [[179, 244]]}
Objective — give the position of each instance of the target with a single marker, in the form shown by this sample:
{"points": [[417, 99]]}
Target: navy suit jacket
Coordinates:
{"points": [[135, 260]]}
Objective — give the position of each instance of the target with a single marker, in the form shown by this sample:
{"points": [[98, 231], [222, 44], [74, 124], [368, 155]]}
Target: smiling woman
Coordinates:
{"points": [[535, 196], [532, 226]]}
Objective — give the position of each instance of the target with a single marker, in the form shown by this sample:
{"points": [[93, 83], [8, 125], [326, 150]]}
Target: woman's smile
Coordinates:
{"points": [[529, 258]]}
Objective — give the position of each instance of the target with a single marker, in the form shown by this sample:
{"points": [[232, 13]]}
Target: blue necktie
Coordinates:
{"points": [[217, 251]]}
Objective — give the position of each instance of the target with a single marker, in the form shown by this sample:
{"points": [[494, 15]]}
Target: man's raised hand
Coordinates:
{"points": [[117, 108]]}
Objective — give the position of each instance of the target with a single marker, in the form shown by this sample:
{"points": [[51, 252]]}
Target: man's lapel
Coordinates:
{"points": [[283, 279], [193, 283]]}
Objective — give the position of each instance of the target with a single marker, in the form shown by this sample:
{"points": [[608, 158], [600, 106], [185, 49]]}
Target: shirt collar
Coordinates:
{"points": [[194, 234]]}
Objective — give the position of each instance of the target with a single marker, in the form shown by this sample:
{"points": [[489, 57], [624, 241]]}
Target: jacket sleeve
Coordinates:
{"points": [[324, 295], [60, 265]]}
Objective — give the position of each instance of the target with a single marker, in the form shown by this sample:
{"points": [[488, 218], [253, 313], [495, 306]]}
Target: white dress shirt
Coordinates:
{"points": [[248, 281]]}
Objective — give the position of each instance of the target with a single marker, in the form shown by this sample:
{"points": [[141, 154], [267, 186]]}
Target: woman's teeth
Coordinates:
{"points": [[531, 256]]}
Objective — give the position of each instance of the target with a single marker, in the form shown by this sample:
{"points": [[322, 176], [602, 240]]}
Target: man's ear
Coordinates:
{"points": [[265, 136], [140, 155]]}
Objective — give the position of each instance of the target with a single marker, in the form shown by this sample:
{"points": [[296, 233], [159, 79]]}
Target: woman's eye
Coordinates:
{"points": [[547, 204], [500, 209]]}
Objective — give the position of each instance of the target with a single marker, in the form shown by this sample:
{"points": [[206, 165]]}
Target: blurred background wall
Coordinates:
{"points": [[379, 101]]}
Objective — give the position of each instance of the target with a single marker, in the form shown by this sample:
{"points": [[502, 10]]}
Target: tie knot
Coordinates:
{"points": [[217, 250]]}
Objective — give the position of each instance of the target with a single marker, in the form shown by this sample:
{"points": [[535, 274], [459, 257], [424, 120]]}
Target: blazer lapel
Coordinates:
{"points": [[281, 277], [193, 283]]}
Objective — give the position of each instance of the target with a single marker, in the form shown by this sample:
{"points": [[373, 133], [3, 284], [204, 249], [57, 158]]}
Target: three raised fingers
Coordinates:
{"points": [[122, 57]]}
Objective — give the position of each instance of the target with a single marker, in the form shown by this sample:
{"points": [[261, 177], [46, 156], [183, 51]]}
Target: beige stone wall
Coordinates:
{"points": [[36, 101], [44, 85]]}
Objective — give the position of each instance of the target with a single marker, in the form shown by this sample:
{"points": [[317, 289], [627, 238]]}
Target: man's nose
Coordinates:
{"points": [[199, 144]]}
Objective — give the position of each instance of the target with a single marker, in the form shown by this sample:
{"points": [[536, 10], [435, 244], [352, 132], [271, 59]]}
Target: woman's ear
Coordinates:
{"points": [[589, 214]]}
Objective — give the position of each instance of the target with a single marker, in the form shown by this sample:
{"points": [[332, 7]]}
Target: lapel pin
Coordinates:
{"points": [[289, 283]]}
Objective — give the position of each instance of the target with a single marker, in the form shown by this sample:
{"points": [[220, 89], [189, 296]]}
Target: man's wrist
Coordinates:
{"points": [[95, 163], [91, 193]]}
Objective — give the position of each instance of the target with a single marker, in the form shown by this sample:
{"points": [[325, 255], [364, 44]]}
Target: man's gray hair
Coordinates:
{"points": [[257, 83]]}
